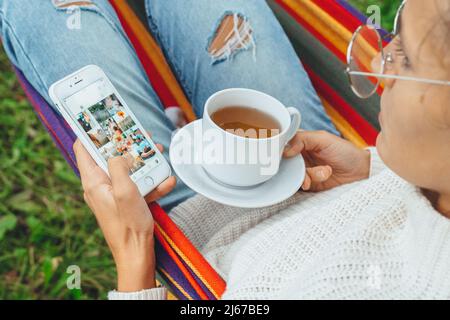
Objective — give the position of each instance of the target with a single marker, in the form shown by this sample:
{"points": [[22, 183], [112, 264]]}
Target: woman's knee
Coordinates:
{"points": [[49, 39]]}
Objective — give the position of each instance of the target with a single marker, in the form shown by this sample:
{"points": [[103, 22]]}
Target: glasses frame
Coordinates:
{"points": [[385, 59]]}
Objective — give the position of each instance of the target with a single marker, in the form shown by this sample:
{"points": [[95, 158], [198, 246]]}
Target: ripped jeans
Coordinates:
{"points": [[210, 45]]}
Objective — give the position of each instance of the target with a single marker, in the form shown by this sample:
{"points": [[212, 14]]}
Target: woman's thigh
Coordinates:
{"points": [[213, 45], [47, 42]]}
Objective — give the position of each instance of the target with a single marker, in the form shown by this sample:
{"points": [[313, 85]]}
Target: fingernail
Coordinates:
{"points": [[321, 174]]}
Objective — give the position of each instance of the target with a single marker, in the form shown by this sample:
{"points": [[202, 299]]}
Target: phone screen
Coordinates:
{"points": [[110, 128]]}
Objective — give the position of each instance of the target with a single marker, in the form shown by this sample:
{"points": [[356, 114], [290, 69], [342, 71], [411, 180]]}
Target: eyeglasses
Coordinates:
{"points": [[366, 53]]}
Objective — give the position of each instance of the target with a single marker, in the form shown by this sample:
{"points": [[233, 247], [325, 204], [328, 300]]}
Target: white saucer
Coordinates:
{"points": [[286, 183]]}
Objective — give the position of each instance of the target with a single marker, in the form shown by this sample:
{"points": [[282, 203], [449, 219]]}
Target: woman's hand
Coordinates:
{"points": [[123, 216], [330, 161]]}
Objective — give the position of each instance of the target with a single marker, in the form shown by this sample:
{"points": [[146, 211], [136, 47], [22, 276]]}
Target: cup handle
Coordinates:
{"points": [[296, 120]]}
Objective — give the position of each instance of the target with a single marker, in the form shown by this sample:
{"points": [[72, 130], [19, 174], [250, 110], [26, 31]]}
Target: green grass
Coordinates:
{"points": [[44, 224]]}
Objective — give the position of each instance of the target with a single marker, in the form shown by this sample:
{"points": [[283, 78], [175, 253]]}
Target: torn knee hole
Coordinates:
{"points": [[62, 4], [233, 33]]}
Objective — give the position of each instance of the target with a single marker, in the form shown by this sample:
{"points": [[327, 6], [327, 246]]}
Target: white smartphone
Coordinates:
{"points": [[106, 126]]}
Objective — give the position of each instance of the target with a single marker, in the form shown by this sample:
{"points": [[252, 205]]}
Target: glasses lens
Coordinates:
{"points": [[365, 57]]}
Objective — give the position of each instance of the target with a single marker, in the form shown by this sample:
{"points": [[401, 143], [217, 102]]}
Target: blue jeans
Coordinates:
{"points": [[38, 41]]}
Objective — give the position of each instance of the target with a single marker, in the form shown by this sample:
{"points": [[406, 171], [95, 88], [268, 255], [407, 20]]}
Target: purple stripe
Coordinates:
{"points": [[201, 283], [165, 262], [61, 134], [355, 12]]}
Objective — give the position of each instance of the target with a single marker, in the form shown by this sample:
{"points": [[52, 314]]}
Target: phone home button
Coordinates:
{"points": [[149, 181]]}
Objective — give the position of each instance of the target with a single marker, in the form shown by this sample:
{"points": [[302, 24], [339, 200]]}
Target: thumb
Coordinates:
{"points": [[319, 174], [124, 189]]}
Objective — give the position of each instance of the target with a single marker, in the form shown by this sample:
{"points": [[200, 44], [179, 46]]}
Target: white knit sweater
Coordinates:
{"points": [[374, 239]]}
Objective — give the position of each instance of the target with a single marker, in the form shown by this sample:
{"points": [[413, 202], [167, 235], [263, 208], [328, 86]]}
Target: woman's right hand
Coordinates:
{"points": [[123, 216], [330, 160]]}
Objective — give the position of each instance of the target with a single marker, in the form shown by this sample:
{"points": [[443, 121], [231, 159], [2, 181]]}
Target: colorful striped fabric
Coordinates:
{"points": [[319, 30]]}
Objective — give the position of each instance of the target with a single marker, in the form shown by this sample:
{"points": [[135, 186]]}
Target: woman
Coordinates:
{"points": [[376, 226]]}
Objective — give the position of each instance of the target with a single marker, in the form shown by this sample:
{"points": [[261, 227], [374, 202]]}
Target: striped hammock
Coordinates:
{"points": [[320, 31]]}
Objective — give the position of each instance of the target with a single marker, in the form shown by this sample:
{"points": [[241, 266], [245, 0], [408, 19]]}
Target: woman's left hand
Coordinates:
{"points": [[123, 216], [330, 160]]}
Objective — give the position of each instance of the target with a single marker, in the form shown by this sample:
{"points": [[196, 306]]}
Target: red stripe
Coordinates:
{"points": [[361, 125], [155, 78]]}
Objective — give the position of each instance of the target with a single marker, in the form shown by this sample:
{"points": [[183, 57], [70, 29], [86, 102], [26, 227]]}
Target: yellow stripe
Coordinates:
{"points": [[153, 51], [172, 280], [347, 131], [187, 261]]}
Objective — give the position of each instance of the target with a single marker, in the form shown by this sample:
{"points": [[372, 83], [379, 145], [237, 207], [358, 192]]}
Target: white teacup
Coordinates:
{"points": [[246, 162]]}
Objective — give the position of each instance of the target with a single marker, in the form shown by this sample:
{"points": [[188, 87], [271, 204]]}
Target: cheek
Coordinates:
{"points": [[399, 131]]}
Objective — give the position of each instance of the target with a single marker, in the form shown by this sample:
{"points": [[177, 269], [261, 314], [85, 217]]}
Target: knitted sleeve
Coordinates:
{"points": [[148, 294]]}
